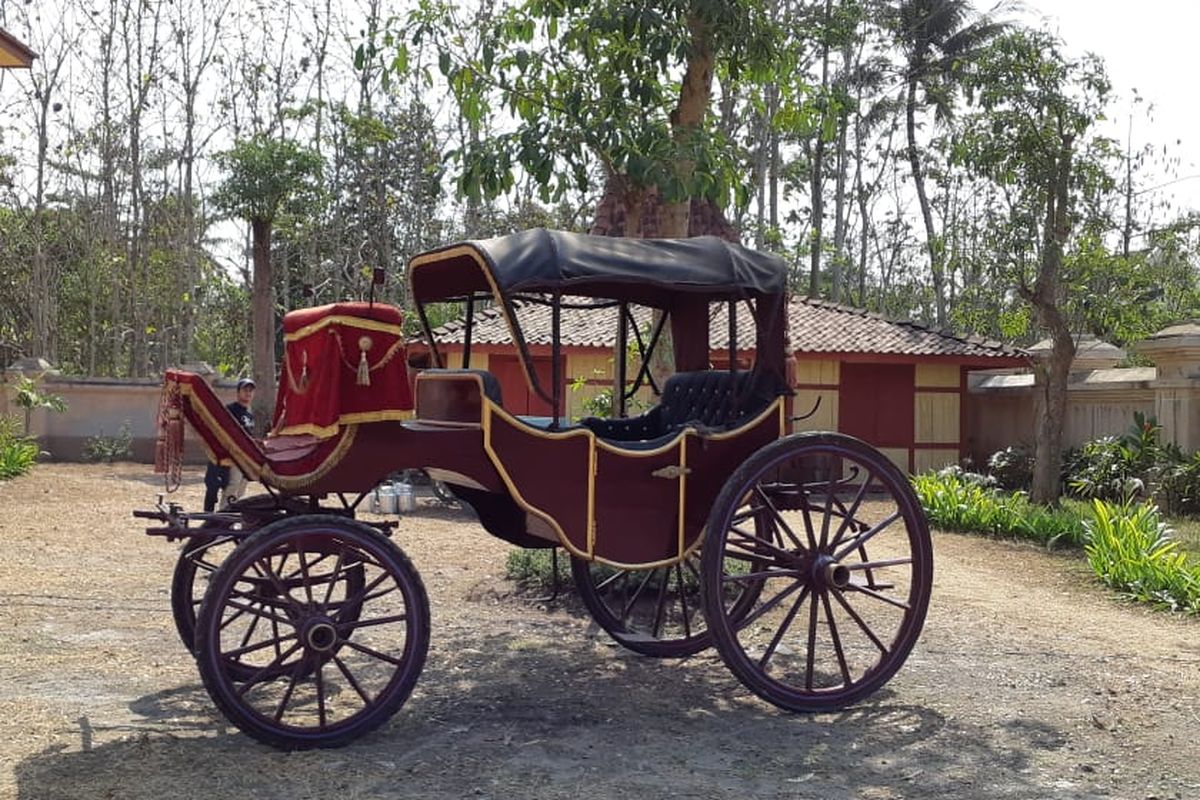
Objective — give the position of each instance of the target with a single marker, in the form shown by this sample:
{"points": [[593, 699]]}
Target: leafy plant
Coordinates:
{"points": [[108, 449], [533, 570], [1131, 550], [17, 452], [1012, 467], [962, 501], [29, 397]]}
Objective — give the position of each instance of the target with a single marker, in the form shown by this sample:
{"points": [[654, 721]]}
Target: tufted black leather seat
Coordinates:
{"points": [[708, 400]]}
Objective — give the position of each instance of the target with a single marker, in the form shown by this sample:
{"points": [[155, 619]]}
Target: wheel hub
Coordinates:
{"points": [[319, 634], [827, 572]]}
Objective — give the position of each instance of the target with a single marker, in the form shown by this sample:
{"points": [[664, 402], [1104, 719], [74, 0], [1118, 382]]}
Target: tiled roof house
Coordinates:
{"points": [[899, 385]]}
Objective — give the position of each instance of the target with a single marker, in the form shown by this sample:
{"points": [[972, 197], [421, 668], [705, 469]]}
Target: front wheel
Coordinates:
{"points": [[312, 633], [846, 571]]}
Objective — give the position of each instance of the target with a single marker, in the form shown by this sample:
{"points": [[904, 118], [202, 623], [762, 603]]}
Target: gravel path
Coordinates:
{"points": [[1029, 682]]}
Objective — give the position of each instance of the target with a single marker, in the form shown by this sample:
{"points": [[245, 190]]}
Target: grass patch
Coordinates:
{"points": [[533, 570], [961, 501], [1128, 546], [1131, 549], [18, 453]]}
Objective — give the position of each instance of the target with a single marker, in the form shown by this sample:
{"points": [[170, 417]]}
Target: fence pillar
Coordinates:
{"points": [[1175, 351]]}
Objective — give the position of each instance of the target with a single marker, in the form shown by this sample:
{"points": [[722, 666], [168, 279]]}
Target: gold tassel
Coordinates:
{"points": [[364, 369], [304, 374]]}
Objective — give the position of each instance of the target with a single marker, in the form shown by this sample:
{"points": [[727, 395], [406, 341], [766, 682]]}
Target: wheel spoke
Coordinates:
{"points": [[274, 642], [687, 626], [317, 676], [837, 640], [279, 587], [862, 538], [829, 497], [362, 648], [249, 630], [872, 593], [769, 604], [305, 581], [757, 542], [781, 522], [334, 576], [266, 671], [891, 562], [861, 624], [764, 575], [361, 596], [350, 679], [783, 626], [250, 609], [812, 645], [363, 623], [604, 584], [848, 515], [636, 594], [287, 694], [660, 605]]}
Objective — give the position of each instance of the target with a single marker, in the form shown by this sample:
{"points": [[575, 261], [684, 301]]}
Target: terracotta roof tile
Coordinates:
{"points": [[814, 326]]}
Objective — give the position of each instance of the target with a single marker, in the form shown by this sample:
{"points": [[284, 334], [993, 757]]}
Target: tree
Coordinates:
{"points": [[592, 82], [264, 176], [940, 39], [1032, 137]]}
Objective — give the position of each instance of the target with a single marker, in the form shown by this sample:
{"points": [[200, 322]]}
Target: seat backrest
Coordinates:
{"points": [[713, 398]]}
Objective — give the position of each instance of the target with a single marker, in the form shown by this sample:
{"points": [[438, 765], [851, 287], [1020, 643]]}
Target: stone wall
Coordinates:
{"points": [[99, 407]]}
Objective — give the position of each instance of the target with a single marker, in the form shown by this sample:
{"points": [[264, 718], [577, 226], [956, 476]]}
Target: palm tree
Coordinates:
{"points": [[940, 39]]}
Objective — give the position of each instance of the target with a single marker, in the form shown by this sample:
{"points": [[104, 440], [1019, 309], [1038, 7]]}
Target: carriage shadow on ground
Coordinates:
{"points": [[539, 715]]}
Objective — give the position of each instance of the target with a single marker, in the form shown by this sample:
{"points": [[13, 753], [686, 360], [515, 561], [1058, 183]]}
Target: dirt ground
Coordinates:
{"points": [[1029, 682]]}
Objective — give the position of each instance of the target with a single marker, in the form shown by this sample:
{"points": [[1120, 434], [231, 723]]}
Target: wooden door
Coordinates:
{"points": [[518, 397], [876, 403]]}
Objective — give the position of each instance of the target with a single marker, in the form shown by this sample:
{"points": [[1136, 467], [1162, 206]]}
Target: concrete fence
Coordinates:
{"points": [[1101, 399], [96, 407]]}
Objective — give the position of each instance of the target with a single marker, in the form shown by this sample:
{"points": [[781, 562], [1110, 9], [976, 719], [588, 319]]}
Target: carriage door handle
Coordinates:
{"points": [[671, 471]]}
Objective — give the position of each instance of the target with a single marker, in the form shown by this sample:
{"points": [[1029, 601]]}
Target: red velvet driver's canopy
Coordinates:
{"points": [[342, 364]]}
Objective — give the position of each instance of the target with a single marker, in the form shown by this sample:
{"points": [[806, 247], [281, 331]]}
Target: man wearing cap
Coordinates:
{"points": [[217, 477]]}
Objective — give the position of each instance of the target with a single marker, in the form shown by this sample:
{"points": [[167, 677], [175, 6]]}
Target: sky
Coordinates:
{"points": [[1151, 46]]}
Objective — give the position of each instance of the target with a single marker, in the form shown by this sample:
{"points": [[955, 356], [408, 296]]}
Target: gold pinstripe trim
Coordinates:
{"points": [[325, 431], [470, 252], [264, 473], [343, 319], [683, 472], [244, 462], [334, 458], [490, 408]]}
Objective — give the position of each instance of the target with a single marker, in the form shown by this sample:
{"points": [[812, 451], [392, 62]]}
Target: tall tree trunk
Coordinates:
{"points": [[262, 324], [914, 161], [817, 171], [1044, 297], [695, 95]]}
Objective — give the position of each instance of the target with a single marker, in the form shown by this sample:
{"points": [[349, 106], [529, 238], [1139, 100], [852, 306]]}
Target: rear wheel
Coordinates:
{"points": [[657, 612], [845, 571], [298, 654]]}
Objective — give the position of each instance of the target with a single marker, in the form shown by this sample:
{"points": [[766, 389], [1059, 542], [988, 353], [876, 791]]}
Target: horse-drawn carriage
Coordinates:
{"points": [[804, 558]]}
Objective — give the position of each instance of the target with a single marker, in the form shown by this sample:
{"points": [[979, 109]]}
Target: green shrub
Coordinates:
{"points": [[1131, 550], [1012, 467], [954, 500], [18, 453], [533, 569], [110, 448], [1179, 486]]}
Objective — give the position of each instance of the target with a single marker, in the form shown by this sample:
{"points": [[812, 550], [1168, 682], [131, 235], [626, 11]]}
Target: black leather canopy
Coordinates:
{"points": [[647, 271]]}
